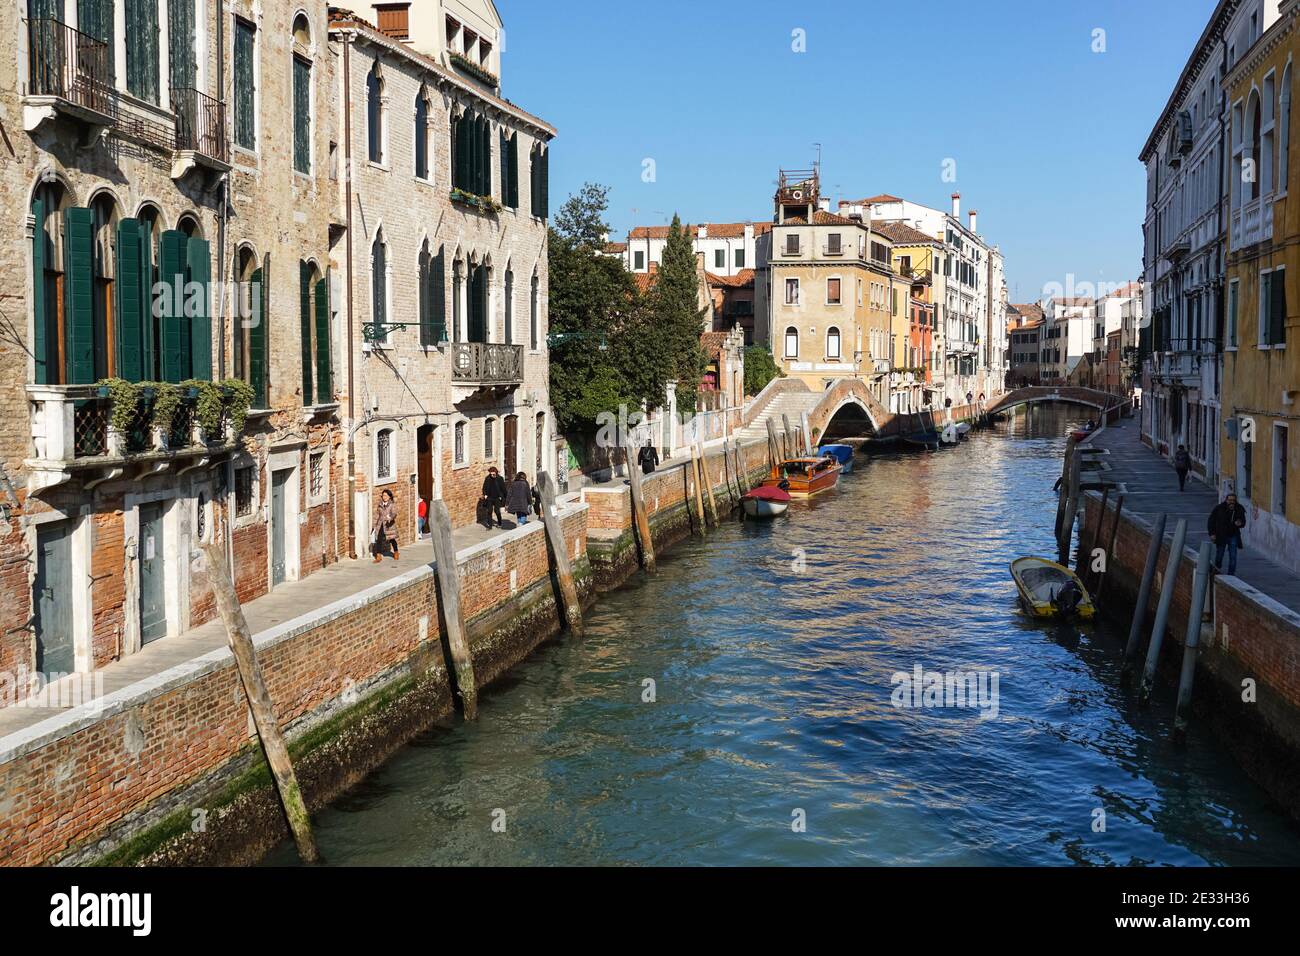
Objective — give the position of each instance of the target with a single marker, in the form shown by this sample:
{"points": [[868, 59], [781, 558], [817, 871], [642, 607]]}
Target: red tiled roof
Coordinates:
{"points": [[742, 278], [1077, 300], [822, 218], [1028, 309], [613, 247], [713, 230], [645, 281], [712, 342], [883, 197], [902, 232]]}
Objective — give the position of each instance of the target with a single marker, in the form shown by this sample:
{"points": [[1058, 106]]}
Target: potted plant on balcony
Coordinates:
{"points": [[127, 401], [162, 412], [209, 411], [238, 399]]}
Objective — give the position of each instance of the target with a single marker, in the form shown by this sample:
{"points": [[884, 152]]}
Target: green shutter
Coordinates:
{"points": [[175, 333], [505, 168], [142, 49], [198, 255], [180, 40], [257, 340], [439, 298], [95, 19], [324, 382], [301, 115], [544, 184], [151, 335], [304, 317], [485, 161], [40, 301], [1277, 308], [514, 171], [79, 298], [131, 301], [245, 127]]}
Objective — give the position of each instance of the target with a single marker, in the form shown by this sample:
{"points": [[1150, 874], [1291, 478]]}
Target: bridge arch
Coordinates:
{"points": [[847, 410], [1071, 395]]}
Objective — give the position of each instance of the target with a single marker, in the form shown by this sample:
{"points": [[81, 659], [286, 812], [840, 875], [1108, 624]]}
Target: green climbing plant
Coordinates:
{"points": [[209, 405], [166, 403], [239, 399], [124, 398]]}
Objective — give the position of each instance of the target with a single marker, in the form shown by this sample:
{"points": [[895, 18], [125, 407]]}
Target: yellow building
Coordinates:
{"points": [[830, 282], [915, 256], [1261, 362]]}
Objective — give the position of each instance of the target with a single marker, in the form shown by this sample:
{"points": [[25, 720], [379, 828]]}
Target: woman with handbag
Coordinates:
{"points": [[384, 532]]}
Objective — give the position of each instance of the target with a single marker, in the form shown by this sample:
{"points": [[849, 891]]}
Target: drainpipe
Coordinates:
{"points": [[225, 193], [347, 188]]}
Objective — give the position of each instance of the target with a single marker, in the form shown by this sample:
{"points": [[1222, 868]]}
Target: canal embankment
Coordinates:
{"points": [[1247, 678]]}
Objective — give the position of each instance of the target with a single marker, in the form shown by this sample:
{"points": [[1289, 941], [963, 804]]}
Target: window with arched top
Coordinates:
{"points": [[379, 288], [534, 316], [791, 342], [1284, 130], [302, 31], [1254, 140], [422, 135], [314, 321], [375, 115], [508, 312], [832, 343], [384, 455]]}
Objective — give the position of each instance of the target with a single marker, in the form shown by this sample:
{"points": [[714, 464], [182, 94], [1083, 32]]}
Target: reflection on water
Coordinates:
{"points": [[772, 647]]}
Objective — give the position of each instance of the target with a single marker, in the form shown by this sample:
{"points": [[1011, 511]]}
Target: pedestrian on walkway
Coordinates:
{"points": [[494, 496], [384, 533], [1182, 465], [1225, 524], [519, 498], [648, 457]]}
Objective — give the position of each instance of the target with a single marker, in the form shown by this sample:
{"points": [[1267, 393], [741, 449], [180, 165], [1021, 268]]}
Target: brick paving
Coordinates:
{"points": [[1151, 486]]}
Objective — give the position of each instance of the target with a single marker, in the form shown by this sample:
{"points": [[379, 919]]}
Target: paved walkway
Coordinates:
{"points": [[1151, 486], [285, 603]]}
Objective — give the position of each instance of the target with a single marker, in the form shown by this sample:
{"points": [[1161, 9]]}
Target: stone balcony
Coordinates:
{"points": [[485, 365], [74, 437]]}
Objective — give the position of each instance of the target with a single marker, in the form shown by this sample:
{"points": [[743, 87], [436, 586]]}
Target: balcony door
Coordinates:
{"points": [[51, 600], [153, 588], [512, 446]]}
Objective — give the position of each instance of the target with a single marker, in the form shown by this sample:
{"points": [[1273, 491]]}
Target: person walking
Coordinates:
{"points": [[1182, 465], [1225, 524], [648, 457], [494, 496], [385, 529], [519, 498]]}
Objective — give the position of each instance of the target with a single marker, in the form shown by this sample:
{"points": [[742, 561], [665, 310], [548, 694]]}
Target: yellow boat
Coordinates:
{"points": [[1048, 590]]}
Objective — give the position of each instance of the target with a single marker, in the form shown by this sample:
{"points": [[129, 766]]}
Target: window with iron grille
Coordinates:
{"points": [[489, 434], [460, 443], [201, 517], [316, 474], [244, 491], [384, 455]]}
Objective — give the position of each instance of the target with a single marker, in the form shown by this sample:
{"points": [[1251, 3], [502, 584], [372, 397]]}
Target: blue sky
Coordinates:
{"points": [[1045, 132]]}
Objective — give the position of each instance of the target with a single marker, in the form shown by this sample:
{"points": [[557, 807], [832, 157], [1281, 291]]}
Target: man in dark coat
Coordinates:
{"points": [[648, 457], [1182, 465], [494, 496], [1225, 524]]}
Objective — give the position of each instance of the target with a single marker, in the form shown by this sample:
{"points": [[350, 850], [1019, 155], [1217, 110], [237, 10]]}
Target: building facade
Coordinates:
{"points": [[172, 306], [1261, 361], [446, 210], [1024, 332]]}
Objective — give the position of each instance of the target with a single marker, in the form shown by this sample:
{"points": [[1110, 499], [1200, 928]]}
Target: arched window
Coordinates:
{"points": [[458, 446], [384, 455], [104, 223], [1255, 135], [832, 343], [314, 317], [375, 115], [791, 342], [457, 308], [250, 331], [48, 302], [422, 135], [489, 441], [534, 318], [379, 288], [302, 98], [1284, 135], [433, 297], [508, 312]]}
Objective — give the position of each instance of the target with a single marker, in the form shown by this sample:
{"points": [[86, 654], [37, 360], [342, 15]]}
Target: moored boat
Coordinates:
{"points": [[928, 440], [1050, 590], [805, 477], [963, 430], [765, 501], [841, 453]]}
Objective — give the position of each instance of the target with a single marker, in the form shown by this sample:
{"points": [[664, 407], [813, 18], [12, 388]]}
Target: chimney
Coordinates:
{"points": [[973, 214], [824, 203], [702, 231], [956, 206]]}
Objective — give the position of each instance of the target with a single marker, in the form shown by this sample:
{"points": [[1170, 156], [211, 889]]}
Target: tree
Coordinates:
{"points": [[679, 317], [604, 345], [760, 368]]}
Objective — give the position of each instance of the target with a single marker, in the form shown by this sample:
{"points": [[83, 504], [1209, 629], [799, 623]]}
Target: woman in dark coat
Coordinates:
{"points": [[385, 529], [494, 496], [519, 498]]}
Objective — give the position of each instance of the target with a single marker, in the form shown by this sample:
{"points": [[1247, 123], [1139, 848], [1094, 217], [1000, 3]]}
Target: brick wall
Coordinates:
{"points": [[65, 787]]}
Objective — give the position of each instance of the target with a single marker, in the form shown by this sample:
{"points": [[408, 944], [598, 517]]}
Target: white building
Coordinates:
{"points": [[728, 248], [1066, 337], [1186, 155]]}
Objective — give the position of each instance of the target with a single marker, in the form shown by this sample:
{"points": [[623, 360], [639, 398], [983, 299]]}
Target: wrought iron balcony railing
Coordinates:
{"points": [[200, 124], [70, 65], [486, 363]]}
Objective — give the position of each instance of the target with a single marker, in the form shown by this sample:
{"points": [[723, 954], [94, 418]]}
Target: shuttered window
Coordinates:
{"points": [[180, 42], [132, 301], [374, 116], [95, 18], [324, 372], [421, 136], [539, 175], [1277, 307], [509, 311], [472, 154], [305, 320], [257, 336], [198, 257], [175, 331], [142, 49], [79, 298], [379, 289], [245, 93], [478, 312], [533, 317], [301, 115], [44, 300]]}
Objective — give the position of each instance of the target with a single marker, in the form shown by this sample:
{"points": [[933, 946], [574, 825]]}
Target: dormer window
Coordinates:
{"points": [[453, 34]]}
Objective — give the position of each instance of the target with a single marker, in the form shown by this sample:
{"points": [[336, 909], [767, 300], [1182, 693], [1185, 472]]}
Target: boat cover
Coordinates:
{"points": [[768, 493]]}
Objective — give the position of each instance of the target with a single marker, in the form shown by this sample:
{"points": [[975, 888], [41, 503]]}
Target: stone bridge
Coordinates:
{"points": [[1072, 394]]}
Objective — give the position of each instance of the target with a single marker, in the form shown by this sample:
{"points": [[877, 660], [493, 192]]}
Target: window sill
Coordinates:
{"points": [[306, 178], [424, 181], [380, 482], [380, 166], [459, 466], [317, 502]]}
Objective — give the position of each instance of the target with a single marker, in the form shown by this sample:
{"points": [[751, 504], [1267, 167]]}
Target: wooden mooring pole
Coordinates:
{"points": [[1071, 509], [708, 483], [1144, 592], [1110, 551], [790, 450], [640, 517], [742, 477], [773, 446], [259, 702], [1191, 643], [1162, 611], [696, 481], [1081, 565], [448, 577], [572, 609], [807, 433]]}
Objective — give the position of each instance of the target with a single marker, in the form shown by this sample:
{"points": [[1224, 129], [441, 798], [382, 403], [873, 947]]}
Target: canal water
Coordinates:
{"points": [[772, 737]]}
